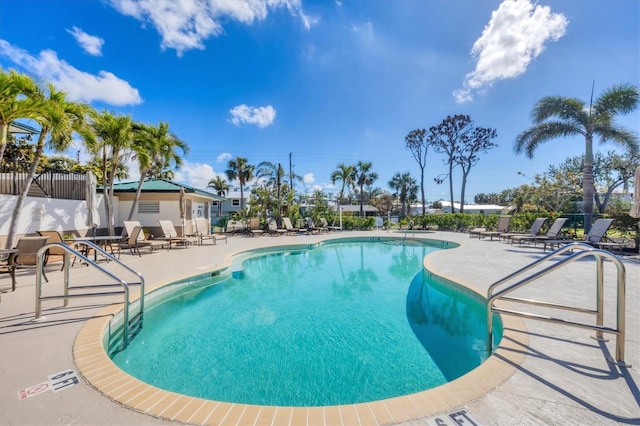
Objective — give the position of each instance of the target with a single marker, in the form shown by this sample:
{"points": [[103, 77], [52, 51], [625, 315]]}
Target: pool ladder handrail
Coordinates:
{"points": [[136, 321], [585, 250]]}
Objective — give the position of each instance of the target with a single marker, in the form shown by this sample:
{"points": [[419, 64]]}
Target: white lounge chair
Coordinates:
{"points": [[129, 226], [203, 232], [170, 234], [272, 227], [290, 228]]}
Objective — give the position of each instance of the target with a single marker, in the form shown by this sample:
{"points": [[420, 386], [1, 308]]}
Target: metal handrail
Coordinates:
{"points": [[119, 282], [586, 250]]}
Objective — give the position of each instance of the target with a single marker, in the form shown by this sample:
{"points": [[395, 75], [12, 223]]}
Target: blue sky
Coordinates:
{"points": [[329, 81]]}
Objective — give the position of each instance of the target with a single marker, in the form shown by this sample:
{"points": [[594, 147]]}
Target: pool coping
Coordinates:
{"points": [[102, 374]]}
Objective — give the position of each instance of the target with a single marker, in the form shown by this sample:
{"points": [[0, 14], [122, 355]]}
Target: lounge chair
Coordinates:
{"points": [[324, 225], [272, 227], [203, 232], [501, 228], [254, 226], [27, 255], [534, 230], [475, 232], [170, 234], [593, 237], [133, 243], [129, 226], [311, 227], [290, 228], [552, 233]]}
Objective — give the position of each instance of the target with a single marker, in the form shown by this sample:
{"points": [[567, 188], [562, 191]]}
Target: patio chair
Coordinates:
{"points": [[311, 227], [501, 228], [171, 235], [475, 232], [593, 237], [7, 268], [272, 227], [533, 230], [254, 226], [129, 226], [27, 255], [203, 232], [290, 228], [54, 254], [133, 242], [324, 226], [552, 233]]}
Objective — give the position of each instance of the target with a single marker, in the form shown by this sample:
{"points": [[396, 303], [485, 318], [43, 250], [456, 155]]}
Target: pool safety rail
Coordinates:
{"points": [[129, 327], [576, 252]]}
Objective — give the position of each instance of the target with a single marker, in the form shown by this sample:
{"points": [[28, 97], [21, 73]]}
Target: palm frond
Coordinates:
{"points": [[528, 140], [561, 107], [620, 99], [620, 136]]}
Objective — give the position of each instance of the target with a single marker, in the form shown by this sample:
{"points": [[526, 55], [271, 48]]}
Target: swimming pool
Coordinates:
{"points": [[334, 324]]}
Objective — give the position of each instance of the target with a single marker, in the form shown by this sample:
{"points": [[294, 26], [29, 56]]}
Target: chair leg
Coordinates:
{"points": [[12, 274]]}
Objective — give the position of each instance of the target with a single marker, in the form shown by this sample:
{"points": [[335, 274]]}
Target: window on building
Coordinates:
{"points": [[236, 202], [148, 207]]}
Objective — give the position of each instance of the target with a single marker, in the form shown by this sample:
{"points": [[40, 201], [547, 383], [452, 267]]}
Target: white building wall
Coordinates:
{"points": [[47, 214]]}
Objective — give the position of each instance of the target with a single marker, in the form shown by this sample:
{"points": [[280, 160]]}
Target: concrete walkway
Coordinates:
{"points": [[564, 378]]}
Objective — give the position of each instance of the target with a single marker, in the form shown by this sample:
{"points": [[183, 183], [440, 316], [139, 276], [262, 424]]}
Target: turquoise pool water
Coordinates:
{"points": [[338, 324]]}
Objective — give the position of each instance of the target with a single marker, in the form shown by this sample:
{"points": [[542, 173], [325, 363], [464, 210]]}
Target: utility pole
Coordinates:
{"points": [[290, 173]]}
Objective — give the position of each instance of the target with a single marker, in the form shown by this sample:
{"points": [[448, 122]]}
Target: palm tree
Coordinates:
{"points": [[239, 169], [221, 187], [557, 116], [364, 177], [58, 119], [406, 188], [274, 173], [111, 139], [16, 101], [155, 148], [346, 175]]}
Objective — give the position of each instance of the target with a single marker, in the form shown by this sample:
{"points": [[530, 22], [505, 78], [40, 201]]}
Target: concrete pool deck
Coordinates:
{"points": [[542, 374]]}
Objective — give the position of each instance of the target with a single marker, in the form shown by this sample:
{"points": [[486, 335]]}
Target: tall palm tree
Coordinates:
{"points": [[346, 175], [59, 119], [239, 169], [221, 187], [111, 139], [16, 101], [275, 174], [406, 188], [364, 177], [156, 150], [557, 116]]}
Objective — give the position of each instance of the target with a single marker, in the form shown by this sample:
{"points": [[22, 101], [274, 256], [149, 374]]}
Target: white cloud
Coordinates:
{"points": [[90, 44], [79, 85], [184, 25], [224, 157], [515, 35], [261, 116], [315, 188], [195, 174], [308, 179]]}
